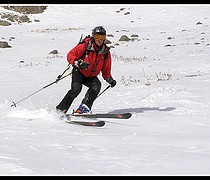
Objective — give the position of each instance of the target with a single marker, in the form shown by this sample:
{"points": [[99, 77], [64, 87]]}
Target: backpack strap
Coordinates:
{"points": [[87, 51], [104, 50], [105, 55]]}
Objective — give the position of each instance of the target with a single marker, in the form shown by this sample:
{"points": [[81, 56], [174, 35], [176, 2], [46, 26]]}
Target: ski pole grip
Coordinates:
{"points": [[58, 79]]}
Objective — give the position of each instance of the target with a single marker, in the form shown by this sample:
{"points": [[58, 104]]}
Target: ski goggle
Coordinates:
{"points": [[99, 36]]}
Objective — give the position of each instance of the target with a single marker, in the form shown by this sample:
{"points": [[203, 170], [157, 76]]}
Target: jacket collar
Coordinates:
{"points": [[104, 49]]}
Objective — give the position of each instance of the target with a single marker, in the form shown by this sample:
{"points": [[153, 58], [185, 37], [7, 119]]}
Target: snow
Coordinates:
{"points": [[165, 88]]}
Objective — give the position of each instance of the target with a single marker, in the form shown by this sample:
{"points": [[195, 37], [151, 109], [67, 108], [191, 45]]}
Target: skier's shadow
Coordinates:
{"points": [[143, 109]]}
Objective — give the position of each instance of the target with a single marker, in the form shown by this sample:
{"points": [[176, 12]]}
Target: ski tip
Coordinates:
{"points": [[95, 124], [124, 115], [88, 123], [103, 123], [98, 123], [128, 115]]}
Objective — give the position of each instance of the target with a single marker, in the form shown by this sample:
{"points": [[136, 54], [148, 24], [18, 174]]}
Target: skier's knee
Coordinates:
{"points": [[76, 89], [96, 87]]}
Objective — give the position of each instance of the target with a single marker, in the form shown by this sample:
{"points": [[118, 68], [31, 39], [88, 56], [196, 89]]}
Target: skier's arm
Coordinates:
{"points": [[76, 53], [106, 70]]}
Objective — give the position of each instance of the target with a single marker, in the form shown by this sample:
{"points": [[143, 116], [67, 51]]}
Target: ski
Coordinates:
{"points": [[88, 123], [96, 115], [103, 115]]}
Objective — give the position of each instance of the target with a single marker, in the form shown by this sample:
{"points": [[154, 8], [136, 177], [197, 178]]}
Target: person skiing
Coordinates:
{"points": [[88, 58]]}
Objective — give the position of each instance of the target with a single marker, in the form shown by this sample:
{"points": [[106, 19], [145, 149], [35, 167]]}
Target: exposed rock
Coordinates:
{"points": [[134, 35], [4, 44], [4, 23], [126, 13], [167, 45], [18, 17], [124, 38], [110, 35], [169, 38], [24, 19], [107, 41], [27, 9], [15, 18], [198, 23], [54, 52], [116, 44]]}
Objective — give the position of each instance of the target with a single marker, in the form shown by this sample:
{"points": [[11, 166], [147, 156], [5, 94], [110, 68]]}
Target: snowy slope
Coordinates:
{"points": [[162, 79]]}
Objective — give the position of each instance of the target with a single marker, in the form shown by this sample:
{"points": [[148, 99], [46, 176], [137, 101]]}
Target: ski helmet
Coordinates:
{"points": [[99, 30]]}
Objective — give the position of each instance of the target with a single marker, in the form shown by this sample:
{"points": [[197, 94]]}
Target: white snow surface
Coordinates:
{"points": [[163, 79]]}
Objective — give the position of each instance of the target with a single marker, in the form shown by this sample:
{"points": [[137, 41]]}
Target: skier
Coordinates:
{"points": [[88, 58]]}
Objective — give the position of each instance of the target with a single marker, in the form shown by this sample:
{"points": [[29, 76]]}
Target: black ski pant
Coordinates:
{"points": [[78, 80]]}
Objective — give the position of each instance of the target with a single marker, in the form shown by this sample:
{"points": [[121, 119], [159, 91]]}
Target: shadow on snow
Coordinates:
{"points": [[143, 109]]}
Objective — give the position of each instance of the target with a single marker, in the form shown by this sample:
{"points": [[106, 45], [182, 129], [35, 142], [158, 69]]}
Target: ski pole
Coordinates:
{"points": [[59, 77], [56, 81], [103, 91]]}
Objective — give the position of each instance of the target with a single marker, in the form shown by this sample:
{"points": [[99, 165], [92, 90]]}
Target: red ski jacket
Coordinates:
{"points": [[98, 62]]}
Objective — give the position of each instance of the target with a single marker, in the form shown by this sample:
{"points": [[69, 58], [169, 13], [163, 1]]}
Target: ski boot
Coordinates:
{"points": [[83, 109]]}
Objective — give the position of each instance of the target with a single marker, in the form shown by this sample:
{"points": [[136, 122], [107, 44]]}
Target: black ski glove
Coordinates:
{"points": [[81, 64], [111, 81]]}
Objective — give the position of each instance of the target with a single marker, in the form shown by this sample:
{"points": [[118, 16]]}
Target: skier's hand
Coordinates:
{"points": [[81, 64], [111, 81]]}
